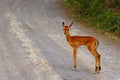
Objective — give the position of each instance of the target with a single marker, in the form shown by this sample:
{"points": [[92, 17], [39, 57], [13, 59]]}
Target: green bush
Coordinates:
{"points": [[101, 14]]}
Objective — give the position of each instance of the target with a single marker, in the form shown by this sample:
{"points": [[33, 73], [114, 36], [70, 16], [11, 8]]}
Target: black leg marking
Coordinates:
{"points": [[99, 68]]}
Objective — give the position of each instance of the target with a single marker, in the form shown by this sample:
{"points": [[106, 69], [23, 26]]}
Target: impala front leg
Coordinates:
{"points": [[75, 57]]}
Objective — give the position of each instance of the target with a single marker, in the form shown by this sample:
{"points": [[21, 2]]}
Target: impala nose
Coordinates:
{"points": [[65, 32]]}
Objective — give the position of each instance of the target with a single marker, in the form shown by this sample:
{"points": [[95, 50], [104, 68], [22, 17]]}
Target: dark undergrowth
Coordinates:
{"points": [[101, 15]]}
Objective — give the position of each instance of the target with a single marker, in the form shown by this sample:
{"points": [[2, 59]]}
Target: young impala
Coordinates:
{"points": [[76, 41]]}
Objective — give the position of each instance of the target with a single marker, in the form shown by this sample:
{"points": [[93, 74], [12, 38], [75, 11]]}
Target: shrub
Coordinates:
{"points": [[102, 14]]}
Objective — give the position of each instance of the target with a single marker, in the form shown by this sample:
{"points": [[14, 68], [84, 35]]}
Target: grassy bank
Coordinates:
{"points": [[102, 15]]}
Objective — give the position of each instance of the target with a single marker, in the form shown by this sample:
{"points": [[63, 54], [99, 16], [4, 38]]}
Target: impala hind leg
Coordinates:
{"points": [[75, 57], [92, 49], [97, 60]]}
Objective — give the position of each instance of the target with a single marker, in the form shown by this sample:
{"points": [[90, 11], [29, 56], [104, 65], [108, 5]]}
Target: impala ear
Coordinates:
{"points": [[63, 24], [71, 24]]}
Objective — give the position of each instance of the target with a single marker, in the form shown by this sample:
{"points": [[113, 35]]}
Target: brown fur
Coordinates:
{"points": [[76, 41]]}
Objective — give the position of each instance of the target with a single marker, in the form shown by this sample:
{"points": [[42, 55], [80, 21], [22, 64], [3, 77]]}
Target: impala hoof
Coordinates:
{"points": [[74, 69], [94, 72], [97, 70]]}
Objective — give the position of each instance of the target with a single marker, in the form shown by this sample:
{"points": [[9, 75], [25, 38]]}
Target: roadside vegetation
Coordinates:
{"points": [[101, 15]]}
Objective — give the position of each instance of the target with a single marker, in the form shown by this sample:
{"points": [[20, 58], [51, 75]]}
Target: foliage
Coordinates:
{"points": [[102, 14]]}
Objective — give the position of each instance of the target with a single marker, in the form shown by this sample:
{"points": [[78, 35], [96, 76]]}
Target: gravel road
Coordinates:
{"points": [[33, 46]]}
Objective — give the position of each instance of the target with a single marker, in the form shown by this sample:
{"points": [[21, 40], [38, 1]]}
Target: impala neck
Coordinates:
{"points": [[68, 37]]}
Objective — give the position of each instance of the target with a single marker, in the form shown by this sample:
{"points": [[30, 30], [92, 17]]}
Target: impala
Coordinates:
{"points": [[90, 42]]}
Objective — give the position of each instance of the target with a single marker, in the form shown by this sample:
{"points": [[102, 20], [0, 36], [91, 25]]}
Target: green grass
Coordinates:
{"points": [[103, 15]]}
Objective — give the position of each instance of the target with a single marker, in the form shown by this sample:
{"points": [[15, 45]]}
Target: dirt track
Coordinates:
{"points": [[33, 46]]}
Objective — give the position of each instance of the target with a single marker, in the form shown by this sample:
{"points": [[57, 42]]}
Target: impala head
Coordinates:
{"points": [[66, 28]]}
